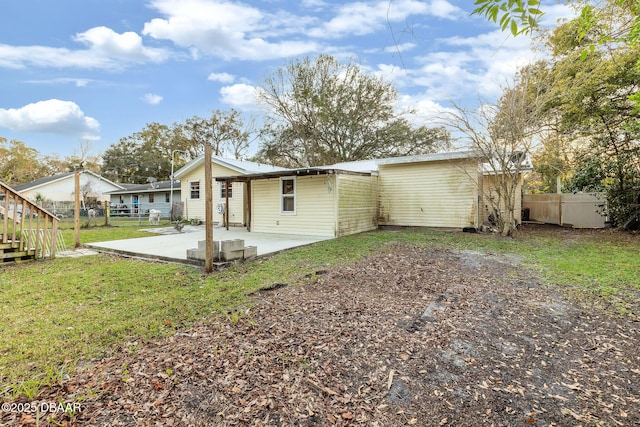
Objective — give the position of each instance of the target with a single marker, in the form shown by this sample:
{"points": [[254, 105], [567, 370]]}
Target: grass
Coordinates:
{"points": [[58, 313], [118, 229]]}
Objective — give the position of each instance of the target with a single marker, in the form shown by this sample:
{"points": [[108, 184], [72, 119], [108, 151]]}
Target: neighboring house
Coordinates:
{"points": [[192, 187], [57, 193], [432, 190], [139, 199]]}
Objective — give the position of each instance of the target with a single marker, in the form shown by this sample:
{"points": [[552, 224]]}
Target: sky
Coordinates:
{"points": [[78, 72]]}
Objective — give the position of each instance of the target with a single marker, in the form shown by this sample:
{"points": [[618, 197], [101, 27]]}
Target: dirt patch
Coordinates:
{"points": [[410, 336]]}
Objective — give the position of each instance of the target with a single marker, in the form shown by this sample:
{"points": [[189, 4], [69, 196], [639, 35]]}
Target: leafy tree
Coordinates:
{"points": [[322, 112], [19, 163], [224, 130], [592, 103], [523, 17], [145, 154], [591, 99], [518, 16]]}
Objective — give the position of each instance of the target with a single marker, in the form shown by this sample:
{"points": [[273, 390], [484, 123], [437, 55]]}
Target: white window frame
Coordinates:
{"points": [[223, 187], [292, 196]]}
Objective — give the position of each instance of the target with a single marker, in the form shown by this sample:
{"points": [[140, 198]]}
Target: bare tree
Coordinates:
{"points": [[504, 135]]}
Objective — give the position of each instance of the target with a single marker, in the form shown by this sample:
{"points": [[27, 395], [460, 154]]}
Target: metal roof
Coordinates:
{"points": [[59, 177], [160, 186], [433, 157], [243, 167], [322, 170]]}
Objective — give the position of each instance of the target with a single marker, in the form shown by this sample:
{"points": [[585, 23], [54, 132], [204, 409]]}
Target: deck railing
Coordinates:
{"points": [[25, 227]]}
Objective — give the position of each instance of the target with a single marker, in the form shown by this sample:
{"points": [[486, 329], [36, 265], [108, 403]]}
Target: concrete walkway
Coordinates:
{"points": [[169, 245]]}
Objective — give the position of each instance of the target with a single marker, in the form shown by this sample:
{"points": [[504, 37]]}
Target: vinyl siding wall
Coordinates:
{"points": [[357, 204], [194, 208], [429, 194], [315, 207], [159, 202], [488, 191]]}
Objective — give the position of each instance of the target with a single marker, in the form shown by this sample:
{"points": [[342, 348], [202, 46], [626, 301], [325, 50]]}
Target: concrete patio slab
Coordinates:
{"points": [[169, 245]]}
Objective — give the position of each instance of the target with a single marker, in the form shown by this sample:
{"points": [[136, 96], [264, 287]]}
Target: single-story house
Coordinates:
{"points": [[229, 204], [432, 190], [331, 201], [57, 193], [139, 199]]}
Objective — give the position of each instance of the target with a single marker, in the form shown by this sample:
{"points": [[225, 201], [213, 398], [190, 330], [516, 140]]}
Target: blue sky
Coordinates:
{"points": [[99, 70]]}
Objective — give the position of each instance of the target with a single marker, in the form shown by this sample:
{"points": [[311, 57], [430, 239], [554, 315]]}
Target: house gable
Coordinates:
{"points": [[61, 188]]}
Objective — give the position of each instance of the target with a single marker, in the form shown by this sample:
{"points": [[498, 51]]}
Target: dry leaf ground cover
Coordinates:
{"points": [[407, 336]]}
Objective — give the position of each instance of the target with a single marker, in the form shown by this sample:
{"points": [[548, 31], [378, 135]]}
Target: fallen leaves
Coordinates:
{"points": [[409, 336]]}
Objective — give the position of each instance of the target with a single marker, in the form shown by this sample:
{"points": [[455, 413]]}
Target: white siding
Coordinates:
{"points": [[430, 194], [488, 191], [315, 207], [357, 204], [64, 189], [194, 208]]}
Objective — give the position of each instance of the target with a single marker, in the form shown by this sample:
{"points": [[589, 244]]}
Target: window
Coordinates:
{"points": [[195, 189], [223, 190], [288, 195], [167, 198], [151, 197]]}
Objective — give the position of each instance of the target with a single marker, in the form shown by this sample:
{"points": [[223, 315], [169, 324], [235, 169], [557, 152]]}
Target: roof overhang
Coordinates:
{"points": [[312, 171], [433, 157]]}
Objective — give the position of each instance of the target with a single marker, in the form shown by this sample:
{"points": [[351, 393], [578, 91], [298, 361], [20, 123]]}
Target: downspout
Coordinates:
{"points": [[479, 195], [336, 207]]}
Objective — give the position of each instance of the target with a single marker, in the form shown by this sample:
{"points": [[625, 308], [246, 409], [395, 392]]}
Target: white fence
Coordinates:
{"points": [[582, 210]]}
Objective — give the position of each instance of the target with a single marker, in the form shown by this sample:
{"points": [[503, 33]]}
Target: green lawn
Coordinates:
{"points": [[97, 232], [57, 313]]}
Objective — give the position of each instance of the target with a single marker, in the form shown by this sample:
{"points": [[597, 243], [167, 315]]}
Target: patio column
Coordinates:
{"points": [[227, 184], [208, 208]]}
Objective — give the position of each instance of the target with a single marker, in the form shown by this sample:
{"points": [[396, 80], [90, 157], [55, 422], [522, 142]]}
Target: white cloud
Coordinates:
{"points": [[313, 4], [239, 96], [402, 47], [50, 116], [227, 30], [77, 82], [221, 77], [106, 49], [472, 67], [426, 111], [361, 18], [103, 41], [151, 98], [444, 9], [556, 13]]}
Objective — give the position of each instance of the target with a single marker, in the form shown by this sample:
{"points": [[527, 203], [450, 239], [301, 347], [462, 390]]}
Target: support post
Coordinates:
{"points": [[248, 204], [76, 208], [227, 183], [208, 208]]}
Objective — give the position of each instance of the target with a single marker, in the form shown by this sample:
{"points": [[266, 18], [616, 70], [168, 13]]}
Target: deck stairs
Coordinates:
{"points": [[27, 231]]}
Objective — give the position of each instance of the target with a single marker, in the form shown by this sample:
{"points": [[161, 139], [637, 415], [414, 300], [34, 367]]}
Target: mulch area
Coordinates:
{"points": [[409, 336]]}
